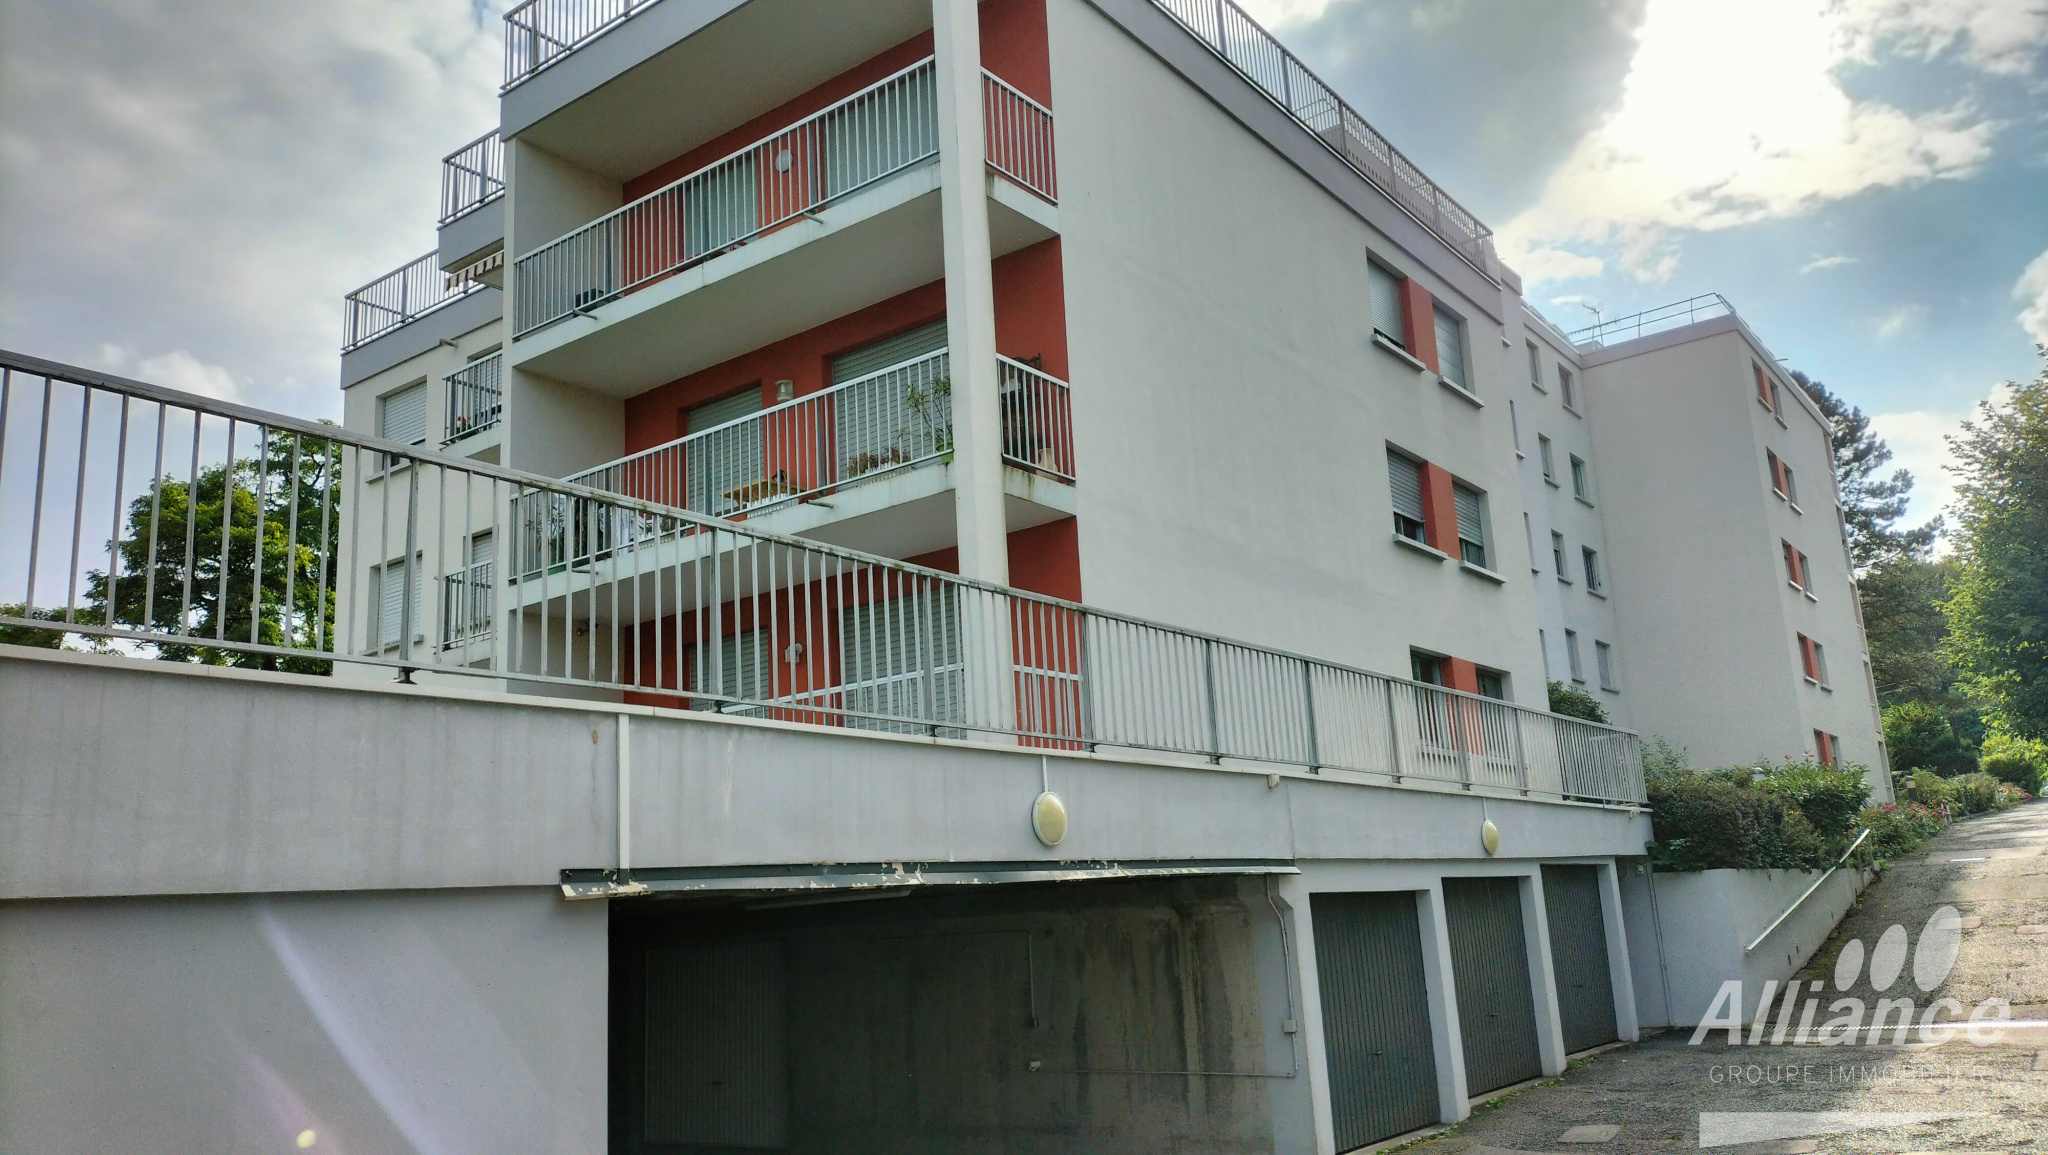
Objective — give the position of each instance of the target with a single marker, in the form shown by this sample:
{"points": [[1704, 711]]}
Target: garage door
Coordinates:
{"points": [[1375, 1015], [1490, 965], [1578, 956]]}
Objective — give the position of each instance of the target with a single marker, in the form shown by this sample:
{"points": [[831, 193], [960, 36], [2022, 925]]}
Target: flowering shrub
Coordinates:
{"points": [[2010, 795], [1898, 829]]}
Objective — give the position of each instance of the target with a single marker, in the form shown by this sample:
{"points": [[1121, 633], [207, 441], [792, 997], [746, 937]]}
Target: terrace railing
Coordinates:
{"points": [[1677, 314], [178, 525], [472, 176], [469, 604], [476, 397], [1261, 59], [399, 297], [540, 32]]}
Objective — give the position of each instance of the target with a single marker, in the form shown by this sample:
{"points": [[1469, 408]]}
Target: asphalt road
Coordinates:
{"points": [[1994, 870]]}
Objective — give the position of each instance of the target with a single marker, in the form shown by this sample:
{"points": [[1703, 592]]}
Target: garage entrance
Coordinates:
{"points": [[1119, 1016], [1376, 1040], [1578, 956], [1490, 965]]}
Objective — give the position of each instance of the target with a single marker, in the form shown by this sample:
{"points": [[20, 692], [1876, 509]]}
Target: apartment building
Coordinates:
{"points": [[1047, 464]]}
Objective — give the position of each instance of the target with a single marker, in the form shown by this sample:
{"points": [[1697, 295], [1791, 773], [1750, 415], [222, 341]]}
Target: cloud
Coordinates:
{"points": [[2032, 292], [1899, 319], [2002, 37], [1918, 441], [1817, 264], [177, 369], [1275, 14], [205, 181], [1732, 114]]}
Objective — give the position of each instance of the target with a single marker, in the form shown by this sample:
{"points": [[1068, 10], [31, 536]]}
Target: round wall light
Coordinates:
{"points": [[1049, 818], [1489, 836]]}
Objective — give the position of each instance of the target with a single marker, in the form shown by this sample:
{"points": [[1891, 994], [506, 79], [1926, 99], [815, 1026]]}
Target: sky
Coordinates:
{"points": [[189, 187]]}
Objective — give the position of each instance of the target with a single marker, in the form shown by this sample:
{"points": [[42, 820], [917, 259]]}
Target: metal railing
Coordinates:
{"points": [[1019, 137], [469, 604], [882, 129], [476, 397], [851, 433], [1677, 314], [472, 176], [1254, 53], [239, 535], [540, 32], [401, 296]]}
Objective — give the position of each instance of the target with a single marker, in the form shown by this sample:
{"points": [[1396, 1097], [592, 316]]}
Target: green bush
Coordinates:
{"points": [[2010, 795], [1829, 797], [2015, 760], [1898, 829], [1573, 702], [1919, 734], [1662, 760], [1972, 794], [1707, 822], [1929, 788]]}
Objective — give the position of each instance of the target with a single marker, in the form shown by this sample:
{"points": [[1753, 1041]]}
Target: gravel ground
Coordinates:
{"points": [[1992, 868]]}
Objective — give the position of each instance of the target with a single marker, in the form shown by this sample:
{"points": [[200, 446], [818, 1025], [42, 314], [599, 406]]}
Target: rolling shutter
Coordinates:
{"points": [[391, 604], [726, 460], [890, 649], [1471, 529], [1578, 955], [1385, 291], [745, 664], [1404, 477], [717, 1057], [402, 416], [1490, 971], [721, 207], [1450, 348], [1376, 1039], [875, 421]]}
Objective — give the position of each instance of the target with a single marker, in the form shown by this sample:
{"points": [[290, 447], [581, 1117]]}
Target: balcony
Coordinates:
{"points": [[476, 398], [539, 33], [818, 219], [469, 606], [399, 298], [472, 226]]}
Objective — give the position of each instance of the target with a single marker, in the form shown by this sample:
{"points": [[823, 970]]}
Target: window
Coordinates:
{"points": [[1564, 388], [388, 612], [1529, 542], [402, 417], [1515, 427], [1450, 348], [1808, 663], [467, 609], [1603, 657], [1824, 747], [1548, 458], [1793, 571], [1471, 525], [1385, 291], [1791, 489], [1404, 478], [1581, 486], [1426, 668], [1571, 656], [1591, 558], [1805, 576], [1535, 366], [1493, 684], [1820, 664], [1777, 472], [1543, 644], [893, 653], [1766, 387], [1557, 554]]}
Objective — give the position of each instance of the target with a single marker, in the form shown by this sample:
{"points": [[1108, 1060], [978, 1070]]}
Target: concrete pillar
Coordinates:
{"points": [[1307, 1099], [970, 295], [1626, 1025], [1445, 1034], [1542, 974]]}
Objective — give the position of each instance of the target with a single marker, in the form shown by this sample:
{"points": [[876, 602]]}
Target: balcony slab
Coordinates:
{"points": [[473, 236]]}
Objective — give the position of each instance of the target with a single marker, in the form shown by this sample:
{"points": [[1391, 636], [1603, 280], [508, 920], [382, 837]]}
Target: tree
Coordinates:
{"points": [[1998, 612], [1902, 618], [157, 596], [1921, 735], [1871, 503], [35, 636]]}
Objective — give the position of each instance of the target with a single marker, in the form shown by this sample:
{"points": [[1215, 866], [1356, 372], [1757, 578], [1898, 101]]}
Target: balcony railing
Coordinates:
{"points": [[852, 433], [882, 129], [399, 297], [873, 134], [475, 397], [540, 32], [685, 609], [1019, 132], [1253, 52], [469, 605], [472, 176]]}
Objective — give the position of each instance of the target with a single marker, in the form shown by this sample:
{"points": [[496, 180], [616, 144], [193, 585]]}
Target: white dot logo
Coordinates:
{"points": [[1888, 959], [1935, 954], [1849, 965]]}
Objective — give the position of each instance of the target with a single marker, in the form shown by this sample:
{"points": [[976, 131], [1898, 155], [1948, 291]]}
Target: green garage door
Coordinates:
{"points": [[1490, 962], [1375, 1015], [1578, 956]]}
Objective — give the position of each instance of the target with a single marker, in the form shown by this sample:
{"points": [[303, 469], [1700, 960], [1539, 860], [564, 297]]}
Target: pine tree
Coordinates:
{"points": [[1872, 503]]}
